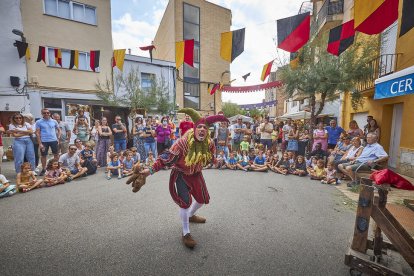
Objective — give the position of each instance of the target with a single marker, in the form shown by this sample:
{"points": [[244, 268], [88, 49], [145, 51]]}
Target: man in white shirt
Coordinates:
{"points": [[286, 128]]}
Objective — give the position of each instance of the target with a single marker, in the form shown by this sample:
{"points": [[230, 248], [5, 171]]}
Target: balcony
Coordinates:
{"points": [[330, 11], [379, 67]]}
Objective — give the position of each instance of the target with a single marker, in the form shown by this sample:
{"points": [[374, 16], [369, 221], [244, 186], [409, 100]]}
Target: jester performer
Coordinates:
{"points": [[187, 157]]}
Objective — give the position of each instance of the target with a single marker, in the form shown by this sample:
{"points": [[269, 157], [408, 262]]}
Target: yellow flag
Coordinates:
{"points": [[179, 54], [119, 57]]}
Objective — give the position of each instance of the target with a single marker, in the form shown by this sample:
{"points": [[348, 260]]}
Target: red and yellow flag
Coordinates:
{"points": [[266, 70], [118, 59], [374, 16], [58, 57], [184, 52]]}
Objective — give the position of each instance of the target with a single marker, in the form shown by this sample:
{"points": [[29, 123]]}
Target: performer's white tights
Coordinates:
{"points": [[185, 215]]}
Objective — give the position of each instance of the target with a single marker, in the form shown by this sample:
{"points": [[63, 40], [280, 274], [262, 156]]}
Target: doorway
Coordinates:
{"points": [[396, 123]]}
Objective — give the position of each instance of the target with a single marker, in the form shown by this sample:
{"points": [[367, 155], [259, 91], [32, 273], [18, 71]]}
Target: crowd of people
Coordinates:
{"points": [[262, 146]]}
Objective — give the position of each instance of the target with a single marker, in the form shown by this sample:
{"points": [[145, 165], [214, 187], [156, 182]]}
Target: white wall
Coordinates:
{"points": [[10, 64]]}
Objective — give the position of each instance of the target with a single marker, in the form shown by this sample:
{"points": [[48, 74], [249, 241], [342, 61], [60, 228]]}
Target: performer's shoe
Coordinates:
{"points": [[188, 241], [197, 219]]}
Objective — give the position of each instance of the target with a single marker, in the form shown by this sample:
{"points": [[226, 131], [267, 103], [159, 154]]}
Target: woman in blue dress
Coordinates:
{"points": [[138, 131]]}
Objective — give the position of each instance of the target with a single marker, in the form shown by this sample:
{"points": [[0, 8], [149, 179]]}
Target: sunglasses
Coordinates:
{"points": [[78, 141], [73, 149], [45, 112]]}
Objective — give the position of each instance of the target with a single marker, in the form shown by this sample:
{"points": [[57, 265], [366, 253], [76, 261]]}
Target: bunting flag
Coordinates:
{"points": [[184, 52], [217, 86], [149, 48], [22, 49], [245, 76], [407, 20], [374, 16], [74, 59], [118, 59], [232, 44], [340, 38], [58, 56], [250, 88], [294, 60], [94, 59], [293, 32], [266, 70], [41, 55]]}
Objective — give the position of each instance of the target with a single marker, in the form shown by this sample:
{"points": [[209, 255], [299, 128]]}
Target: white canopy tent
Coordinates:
{"points": [[301, 115], [245, 118]]}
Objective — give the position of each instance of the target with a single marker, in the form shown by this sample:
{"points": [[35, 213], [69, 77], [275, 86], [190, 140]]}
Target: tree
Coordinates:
{"points": [[126, 91], [321, 73], [231, 109]]}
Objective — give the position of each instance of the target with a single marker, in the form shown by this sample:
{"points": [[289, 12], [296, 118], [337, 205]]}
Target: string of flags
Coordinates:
{"points": [[370, 17]]}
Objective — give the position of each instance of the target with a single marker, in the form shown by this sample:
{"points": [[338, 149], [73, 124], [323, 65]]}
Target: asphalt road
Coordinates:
{"points": [[257, 224]]}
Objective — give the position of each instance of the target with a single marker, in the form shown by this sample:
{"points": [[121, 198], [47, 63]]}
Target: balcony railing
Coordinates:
{"points": [[379, 67], [329, 8]]}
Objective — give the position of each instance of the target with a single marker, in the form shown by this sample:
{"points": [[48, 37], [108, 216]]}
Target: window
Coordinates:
{"points": [[191, 30], [71, 10], [192, 95], [147, 81], [52, 103], [83, 60]]}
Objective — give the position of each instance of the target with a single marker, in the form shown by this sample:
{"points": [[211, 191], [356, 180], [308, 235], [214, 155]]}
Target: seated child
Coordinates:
{"points": [[6, 189], [319, 171], [300, 167], [54, 174], [259, 164], [275, 159], [252, 156], [88, 159], [313, 165], [330, 175], [244, 163], [110, 152], [26, 180], [150, 160], [308, 160], [232, 161], [291, 157], [128, 164], [114, 167], [221, 160], [283, 165], [135, 155]]}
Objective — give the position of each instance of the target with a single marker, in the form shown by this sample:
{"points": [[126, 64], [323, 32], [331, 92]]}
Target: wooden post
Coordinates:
{"points": [[377, 241], [359, 241]]}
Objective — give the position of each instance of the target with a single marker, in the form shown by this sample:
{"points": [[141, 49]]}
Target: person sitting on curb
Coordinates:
{"points": [[371, 155], [71, 162]]}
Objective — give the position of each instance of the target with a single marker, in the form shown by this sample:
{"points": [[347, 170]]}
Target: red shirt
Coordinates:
{"points": [[1, 138], [185, 126]]}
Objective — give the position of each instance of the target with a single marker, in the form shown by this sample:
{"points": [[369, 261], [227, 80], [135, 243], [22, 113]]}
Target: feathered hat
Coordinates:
{"points": [[197, 119]]}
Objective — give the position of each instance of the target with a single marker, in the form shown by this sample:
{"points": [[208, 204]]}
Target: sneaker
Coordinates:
{"points": [[37, 171], [323, 182], [119, 176], [338, 181], [69, 179], [188, 241], [42, 173], [108, 177]]}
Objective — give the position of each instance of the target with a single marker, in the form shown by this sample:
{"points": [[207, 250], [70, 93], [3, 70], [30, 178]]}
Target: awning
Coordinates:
{"points": [[301, 115], [397, 84], [244, 118]]}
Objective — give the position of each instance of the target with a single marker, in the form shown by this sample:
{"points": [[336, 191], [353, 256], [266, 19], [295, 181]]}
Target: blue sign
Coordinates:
{"points": [[395, 87]]}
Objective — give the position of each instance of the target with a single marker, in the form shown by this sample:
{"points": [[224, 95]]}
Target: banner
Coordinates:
{"points": [[251, 88]]}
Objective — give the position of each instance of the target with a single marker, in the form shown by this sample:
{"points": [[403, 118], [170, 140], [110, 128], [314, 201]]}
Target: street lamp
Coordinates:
{"points": [[19, 33]]}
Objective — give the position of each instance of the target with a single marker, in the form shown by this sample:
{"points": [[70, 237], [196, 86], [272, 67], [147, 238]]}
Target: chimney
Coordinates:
{"points": [[129, 51]]}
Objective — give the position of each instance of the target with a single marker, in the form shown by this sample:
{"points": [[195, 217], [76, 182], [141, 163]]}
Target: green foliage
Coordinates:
{"points": [[321, 73], [126, 91], [231, 109]]}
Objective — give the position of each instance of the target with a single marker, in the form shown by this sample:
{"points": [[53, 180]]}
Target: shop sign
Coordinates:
{"points": [[397, 84]]}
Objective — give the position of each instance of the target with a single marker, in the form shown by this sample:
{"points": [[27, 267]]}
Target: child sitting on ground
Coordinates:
{"points": [[6, 189], [252, 156], [275, 160], [308, 160], [291, 157], [54, 174], [283, 165], [150, 160], [128, 164], [319, 171], [26, 180], [300, 167], [114, 167], [244, 163], [88, 158], [330, 175], [221, 160], [232, 161], [312, 166], [109, 154], [259, 164], [135, 155]]}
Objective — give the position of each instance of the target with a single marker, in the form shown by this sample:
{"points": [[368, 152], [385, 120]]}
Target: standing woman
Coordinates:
{"points": [[81, 130], [293, 139], [373, 127], [94, 133], [138, 131], [22, 145], [104, 141], [149, 140], [354, 130], [163, 132], [320, 135], [30, 120]]}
